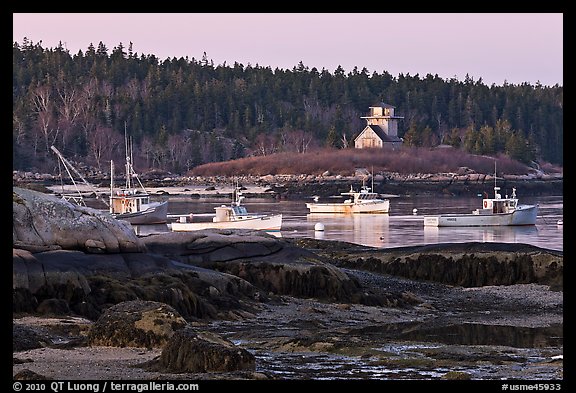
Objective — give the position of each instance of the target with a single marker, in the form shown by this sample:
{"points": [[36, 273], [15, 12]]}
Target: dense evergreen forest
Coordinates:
{"points": [[181, 113]]}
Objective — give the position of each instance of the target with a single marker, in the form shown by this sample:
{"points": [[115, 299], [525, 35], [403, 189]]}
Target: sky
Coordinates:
{"points": [[514, 48]]}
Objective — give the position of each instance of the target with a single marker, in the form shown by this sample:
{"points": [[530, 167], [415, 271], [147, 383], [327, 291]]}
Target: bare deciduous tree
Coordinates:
{"points": [[43, 105], [344, 141], [296, 141], [178, 151], [102, 142], [266, 144], [87, 107]]}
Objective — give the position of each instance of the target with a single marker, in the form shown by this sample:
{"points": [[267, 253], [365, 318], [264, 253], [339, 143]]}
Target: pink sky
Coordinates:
{"points": [[497, 47]]}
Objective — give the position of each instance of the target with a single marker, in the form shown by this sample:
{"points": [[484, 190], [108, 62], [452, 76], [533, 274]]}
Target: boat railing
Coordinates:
{"points": [[78, 200]]}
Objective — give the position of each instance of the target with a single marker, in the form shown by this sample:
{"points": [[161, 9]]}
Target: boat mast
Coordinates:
{"points": [[128, 154], [129, 168], [496, 189], [237, 196], [111, 186]]}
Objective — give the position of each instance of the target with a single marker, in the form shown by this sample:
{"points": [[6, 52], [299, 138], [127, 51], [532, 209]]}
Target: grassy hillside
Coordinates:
{"points": [[404, 160]]}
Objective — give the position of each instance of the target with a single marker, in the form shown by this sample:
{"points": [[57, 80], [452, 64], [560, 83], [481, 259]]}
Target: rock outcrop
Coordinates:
{"points": [[43, 222], [68, 258], [24, 338], [189, 351], [265, 261], [90, 283], [461, 264], [137, 323]]}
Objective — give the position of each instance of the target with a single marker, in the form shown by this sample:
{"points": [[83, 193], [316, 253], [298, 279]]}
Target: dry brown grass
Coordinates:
{"points": [[404, 160]]}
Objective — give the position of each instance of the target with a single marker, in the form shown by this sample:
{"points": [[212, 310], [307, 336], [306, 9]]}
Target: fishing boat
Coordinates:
{"points": [[234, 216], [363, 201], [495, 211], [137, 208], [134, 204]]}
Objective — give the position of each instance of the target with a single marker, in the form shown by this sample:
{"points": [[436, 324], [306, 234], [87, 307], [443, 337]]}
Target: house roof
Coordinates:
{"points": [[382, 105], [379, 130]]}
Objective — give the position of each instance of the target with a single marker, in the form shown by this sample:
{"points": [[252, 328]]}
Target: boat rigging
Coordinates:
{"points": [[75, 198]]}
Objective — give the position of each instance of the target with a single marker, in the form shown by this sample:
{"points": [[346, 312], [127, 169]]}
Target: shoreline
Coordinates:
{"points": [[302, 186]]}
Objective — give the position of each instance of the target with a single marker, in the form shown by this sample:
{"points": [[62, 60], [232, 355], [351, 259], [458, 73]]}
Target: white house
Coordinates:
{"points": [[381, 129]]}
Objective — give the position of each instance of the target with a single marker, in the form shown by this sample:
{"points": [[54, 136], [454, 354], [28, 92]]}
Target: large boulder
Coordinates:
{"points": [[25, 338], [44, 222], [189, 351], [136, 323]]}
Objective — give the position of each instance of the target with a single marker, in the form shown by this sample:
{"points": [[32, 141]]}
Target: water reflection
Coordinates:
{"points": [[398, 228], [153, 229], [412, 350], [511, 234], [480, 334], [363, 228], [150, 229]]}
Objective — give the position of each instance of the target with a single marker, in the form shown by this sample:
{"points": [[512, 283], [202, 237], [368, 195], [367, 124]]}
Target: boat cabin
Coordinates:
{"points": [[128, 202], [364, 196], [230, 213], [496, 206]]}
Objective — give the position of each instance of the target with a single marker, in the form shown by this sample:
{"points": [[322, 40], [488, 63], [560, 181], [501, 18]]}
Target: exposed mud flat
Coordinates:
{"points": [[486, 333]]}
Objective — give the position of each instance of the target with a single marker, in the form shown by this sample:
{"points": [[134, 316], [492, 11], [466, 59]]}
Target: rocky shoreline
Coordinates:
{"points": [[93, 301], [302, 186]]}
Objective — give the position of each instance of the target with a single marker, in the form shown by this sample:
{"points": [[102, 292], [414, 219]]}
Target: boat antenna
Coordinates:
{"points": [[129, 159], [496, 188], [128, 164]]}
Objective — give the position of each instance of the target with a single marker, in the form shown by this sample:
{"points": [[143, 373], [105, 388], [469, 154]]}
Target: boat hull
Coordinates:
{"points": [[272, 223], [523, 215], [156, 214], [349, 208]]}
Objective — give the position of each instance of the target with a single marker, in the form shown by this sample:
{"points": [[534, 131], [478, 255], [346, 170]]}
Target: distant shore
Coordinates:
{"points": [[303, 186]]}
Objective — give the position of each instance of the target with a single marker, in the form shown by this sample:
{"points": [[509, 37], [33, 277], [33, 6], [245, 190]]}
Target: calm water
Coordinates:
{"points": [[401, 227]]}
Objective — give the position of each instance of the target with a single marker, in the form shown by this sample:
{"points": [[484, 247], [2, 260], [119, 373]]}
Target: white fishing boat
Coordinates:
{"points": [[134, 204], [495, 211], [234, 216], [363, 201]]}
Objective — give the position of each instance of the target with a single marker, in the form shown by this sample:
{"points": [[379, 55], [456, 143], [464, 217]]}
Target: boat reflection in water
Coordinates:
{"points": [[154, 229], [367, 229], [501, 234], [150, 229]]}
